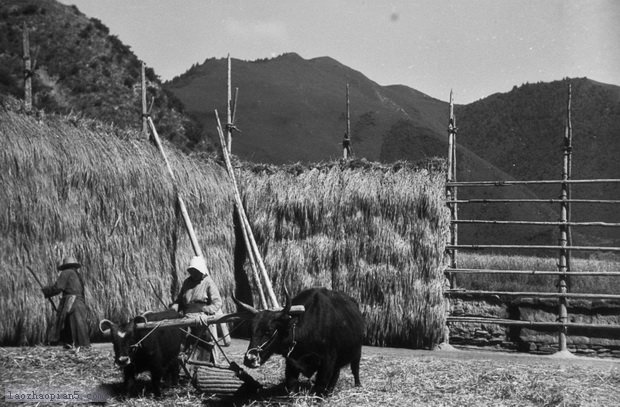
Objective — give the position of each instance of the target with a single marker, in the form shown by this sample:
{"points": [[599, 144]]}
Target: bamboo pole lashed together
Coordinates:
{"points": [[535, 294], [228, 109], [346, 141], [28, 72], [451, 191], [533, 247], [504, 183], [145, 126], [253, 266], [564, 260], [534, 222], [589, 273], [533, 200], [564, 247], [188, 223], [243, 217]]}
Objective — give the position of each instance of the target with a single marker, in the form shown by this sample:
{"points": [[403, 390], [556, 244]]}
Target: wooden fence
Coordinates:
{"points": [[564, 247]]}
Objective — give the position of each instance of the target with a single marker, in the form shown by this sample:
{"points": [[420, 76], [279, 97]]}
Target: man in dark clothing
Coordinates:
{"points": [[71, 327]]}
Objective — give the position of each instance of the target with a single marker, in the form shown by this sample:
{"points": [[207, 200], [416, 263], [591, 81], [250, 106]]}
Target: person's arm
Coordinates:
{"points": [[213, 298], [175, 305], [58, 286]]}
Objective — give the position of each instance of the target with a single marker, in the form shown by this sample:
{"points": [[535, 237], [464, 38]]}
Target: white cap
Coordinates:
{"points": [[198, 263]]}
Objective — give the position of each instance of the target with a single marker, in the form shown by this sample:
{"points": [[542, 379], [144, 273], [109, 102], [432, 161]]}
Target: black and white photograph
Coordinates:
{"points": [[310, 203]]}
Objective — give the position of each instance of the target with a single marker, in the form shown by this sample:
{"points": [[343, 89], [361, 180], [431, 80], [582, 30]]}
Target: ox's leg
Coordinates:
{"points": [[334, 380], [129, 378], [324, 375], [156, 375], [291, 376], [173, 371], [355, 367]]}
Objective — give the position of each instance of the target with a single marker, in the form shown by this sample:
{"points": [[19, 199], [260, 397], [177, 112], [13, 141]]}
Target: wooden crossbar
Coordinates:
{"points": [[533, 272], [533, 324], [531, 247], [200, 320], [501, 183], [538, 200], [532, 222], [460, 292]]}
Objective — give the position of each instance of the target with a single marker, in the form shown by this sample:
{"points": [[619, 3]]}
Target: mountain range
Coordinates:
{"points": [[291, 109]]}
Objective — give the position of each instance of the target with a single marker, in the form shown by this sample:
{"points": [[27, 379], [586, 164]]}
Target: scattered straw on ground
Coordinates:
{"points": [[394, 379]]}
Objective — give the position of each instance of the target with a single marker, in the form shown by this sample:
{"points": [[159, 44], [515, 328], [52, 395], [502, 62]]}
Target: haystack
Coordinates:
{"points": [[375, 232], [103, 195]]}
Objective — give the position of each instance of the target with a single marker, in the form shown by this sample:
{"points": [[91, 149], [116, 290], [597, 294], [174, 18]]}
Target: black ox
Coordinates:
{"points": [[155, 351], [323, 339]]}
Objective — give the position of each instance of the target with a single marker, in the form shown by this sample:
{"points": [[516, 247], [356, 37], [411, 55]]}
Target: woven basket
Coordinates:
{"points": [[224, 381]]}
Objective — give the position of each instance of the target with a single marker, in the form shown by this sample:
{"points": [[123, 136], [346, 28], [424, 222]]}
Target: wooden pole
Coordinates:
{"points": [[589, 201], [145, 125], [563, 263], [234, 108], [228, 110], [27, 69], [590, 273], [346, 142], [533, 222], [454, 177], [533, 182], [202, 319], [188, 223], [257, 281], [243, 218], [451, 191], [534, 294], [533, 247], [569, 141]]}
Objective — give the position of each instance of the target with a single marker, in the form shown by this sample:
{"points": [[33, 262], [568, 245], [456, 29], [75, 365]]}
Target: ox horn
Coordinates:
{"points": [[105, 325], [245, 307], [140, 319], [287, 307]]}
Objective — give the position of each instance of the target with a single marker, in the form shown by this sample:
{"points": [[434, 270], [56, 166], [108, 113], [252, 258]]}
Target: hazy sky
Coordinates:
{"points": [[476, 47]]}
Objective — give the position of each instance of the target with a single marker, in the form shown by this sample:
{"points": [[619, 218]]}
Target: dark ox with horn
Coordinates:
{"points": [[323, 339], [155, 351]]}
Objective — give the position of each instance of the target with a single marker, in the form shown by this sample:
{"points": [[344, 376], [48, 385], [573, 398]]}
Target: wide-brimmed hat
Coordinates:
{"points": [[69, 262], [198, 263]]}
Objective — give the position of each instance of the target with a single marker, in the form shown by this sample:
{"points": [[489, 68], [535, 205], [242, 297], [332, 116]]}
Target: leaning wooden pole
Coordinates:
{"points": [[257, 280], [27, 69], [563, 263], [188, 223], [145, 125], [243, 217]]}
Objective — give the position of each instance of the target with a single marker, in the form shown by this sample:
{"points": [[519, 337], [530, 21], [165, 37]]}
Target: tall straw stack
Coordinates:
{"points": [[102, 195], [377, 233]]}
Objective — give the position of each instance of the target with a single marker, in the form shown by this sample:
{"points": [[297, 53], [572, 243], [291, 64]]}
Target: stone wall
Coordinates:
{"points": [[582, 341]]}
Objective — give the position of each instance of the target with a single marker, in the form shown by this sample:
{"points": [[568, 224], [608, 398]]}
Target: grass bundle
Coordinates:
{"points": [[103, 195], [377, 233]]}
